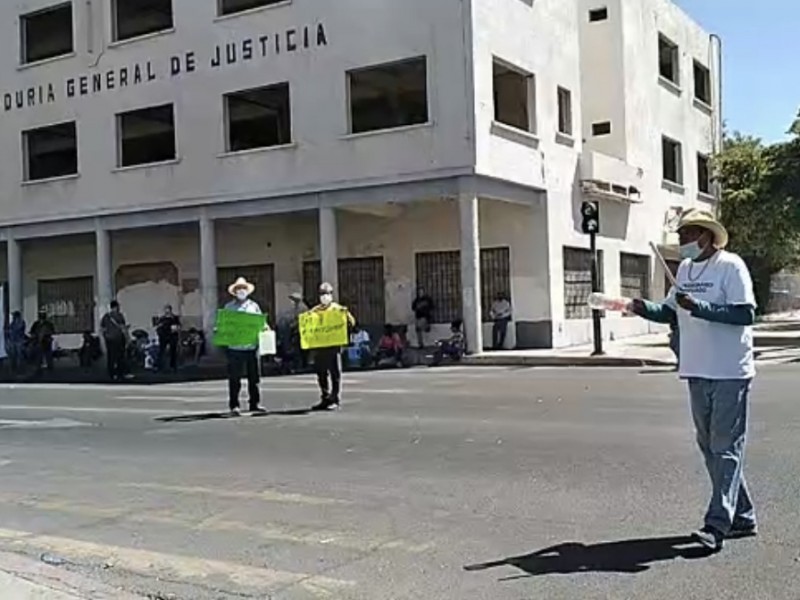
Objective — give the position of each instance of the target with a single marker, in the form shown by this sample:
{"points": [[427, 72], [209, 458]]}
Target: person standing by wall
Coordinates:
{"points": [[116, 337], [714, 306], [168, 331], [423, 315], [328, 361], [42, 332], [243, 359], [501, 316], [16, 340]]}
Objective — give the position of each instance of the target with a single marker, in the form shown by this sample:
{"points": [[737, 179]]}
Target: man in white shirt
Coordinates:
{"points": [[714, 308], [243, 359]]}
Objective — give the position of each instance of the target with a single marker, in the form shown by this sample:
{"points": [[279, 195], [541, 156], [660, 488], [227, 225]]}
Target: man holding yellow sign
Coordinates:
{"points": [[324, 330]]}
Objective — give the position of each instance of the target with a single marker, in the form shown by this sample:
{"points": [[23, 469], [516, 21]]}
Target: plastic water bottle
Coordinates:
{"points": [[598, 301]]}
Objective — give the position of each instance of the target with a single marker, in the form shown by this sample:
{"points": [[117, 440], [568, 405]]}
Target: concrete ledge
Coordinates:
{"points": [[494, 360]]}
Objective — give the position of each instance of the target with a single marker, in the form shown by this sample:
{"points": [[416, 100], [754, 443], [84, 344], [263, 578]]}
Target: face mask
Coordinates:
{"points": [[326, 299], [241, 295], [691, 251]]}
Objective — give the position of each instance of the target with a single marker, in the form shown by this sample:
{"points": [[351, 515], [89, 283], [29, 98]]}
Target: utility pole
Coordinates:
{"points": [[591, 226]]}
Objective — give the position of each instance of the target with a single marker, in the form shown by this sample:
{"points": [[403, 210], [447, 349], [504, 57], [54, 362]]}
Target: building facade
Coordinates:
{"points": [[152, 151]]}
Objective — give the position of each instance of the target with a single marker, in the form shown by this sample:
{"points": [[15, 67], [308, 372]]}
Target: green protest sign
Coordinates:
{"points": [[235, 328]]}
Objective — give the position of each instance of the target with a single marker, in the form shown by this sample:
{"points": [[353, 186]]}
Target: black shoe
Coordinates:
{"points": [[325, 405], [258, 410], [710, 538], [742, 530]]}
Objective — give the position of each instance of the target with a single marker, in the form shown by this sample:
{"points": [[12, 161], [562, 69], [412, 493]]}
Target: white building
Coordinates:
{"points": [[152, 150]]}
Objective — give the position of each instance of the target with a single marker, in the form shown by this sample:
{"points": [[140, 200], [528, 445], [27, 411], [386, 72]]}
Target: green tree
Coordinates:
{"points": [[761, 204]]}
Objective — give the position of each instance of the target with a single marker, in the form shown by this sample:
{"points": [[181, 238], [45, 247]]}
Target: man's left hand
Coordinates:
{"points": [[685, 301]]}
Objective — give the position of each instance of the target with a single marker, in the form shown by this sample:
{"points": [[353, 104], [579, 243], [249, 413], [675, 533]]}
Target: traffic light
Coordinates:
{"points": [[591, 217]]}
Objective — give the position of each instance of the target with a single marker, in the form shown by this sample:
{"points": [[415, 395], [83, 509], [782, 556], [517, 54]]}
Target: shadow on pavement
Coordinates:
{"points": [[215, 416], [627, 556]]}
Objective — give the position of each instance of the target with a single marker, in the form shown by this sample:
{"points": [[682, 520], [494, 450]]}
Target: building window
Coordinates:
{"points": [[598, 14], [672, 159], [361, 287], [668, 60], [599, 129], [702, 83], [146, 136], [259, 118], [133, 18], [578, 281], [47, 33], [262, 276], [50, 151], [388, 96], [514, 93], [564, 111], [69, 303], [703, 174], [229, 7], [634, 272], [439, 274]]}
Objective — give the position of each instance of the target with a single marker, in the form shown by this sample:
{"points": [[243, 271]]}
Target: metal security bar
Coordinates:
{"points": [[69, 303], [439, 274], [361, 287], [578, 281], [495, 277], [634, 275], [262, 276]]}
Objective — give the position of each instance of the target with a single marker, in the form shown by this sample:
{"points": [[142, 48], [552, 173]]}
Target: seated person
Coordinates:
{"points": [[390, 347], [452, 347], [89, 351], [359, 351]]}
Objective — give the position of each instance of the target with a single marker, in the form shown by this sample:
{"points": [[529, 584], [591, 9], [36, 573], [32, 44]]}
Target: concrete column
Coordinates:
{"points": [[328, 247], [105, 277], [15, 295], [471, 272], [208, 273]]}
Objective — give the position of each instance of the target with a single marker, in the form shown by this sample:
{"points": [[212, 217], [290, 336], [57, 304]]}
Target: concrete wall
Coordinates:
{"points": [[358, 33]]}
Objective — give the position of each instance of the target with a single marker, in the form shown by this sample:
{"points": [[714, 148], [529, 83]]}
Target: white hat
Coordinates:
{"points": [[239, 284], [702, 218]]}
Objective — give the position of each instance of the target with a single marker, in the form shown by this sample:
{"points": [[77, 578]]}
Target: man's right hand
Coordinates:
{"points": [[637, 306]]}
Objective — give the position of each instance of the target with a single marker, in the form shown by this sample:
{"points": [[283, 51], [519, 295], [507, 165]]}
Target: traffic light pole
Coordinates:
{"points": [[597, 323]]}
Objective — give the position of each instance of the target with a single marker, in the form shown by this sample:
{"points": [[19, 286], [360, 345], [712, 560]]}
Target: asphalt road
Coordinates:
{"points": [[428, 485]]}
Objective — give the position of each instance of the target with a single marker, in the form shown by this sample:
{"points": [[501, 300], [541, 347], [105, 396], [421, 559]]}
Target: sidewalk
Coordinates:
{"points": [[22, 578], [777, 340]]}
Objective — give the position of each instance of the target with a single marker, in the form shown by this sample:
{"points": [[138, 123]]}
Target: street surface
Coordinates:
{"points": [[430, 484]]}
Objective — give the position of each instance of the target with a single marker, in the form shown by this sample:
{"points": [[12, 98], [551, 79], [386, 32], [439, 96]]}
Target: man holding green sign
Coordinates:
{"points": [[237, 329]]}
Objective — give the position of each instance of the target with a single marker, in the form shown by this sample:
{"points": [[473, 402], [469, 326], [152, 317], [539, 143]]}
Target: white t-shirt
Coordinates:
{"points": [[715, 350]]}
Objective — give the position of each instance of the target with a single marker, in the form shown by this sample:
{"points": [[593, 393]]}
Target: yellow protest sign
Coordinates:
{"points": [[323, 329]]}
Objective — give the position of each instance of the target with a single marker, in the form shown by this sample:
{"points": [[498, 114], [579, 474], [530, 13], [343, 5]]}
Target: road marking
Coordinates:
{"points": [[44, 424], [268, 531], [89, 409], [264, 495], [150, 563]]}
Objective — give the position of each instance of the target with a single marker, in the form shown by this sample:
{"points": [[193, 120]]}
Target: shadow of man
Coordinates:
{"points": [[626, 556]]}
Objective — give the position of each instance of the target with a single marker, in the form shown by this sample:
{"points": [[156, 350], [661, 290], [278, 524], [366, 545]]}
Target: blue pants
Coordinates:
{"points": [[720, 410]]}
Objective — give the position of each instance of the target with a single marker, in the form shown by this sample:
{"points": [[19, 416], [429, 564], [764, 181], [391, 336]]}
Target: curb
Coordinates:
{"points": [[563, 361], [33, 579]]}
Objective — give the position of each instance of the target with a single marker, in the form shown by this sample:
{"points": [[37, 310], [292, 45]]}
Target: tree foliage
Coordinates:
{"points": [[761, 203]]}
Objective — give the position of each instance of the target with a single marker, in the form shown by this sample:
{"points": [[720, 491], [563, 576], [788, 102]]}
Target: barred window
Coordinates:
{"points": [[578, 281], [439, 274], [361, 287], [634, 275], [261, 276], [69, 303]]}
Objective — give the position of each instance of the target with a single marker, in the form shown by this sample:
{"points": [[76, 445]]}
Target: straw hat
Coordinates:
{"points": [[239, 284], [702, 218]]}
